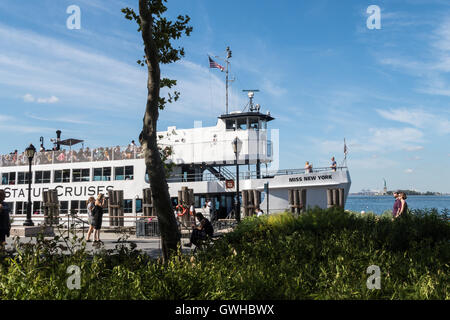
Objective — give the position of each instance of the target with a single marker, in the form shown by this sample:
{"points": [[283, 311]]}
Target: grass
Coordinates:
{"points": [[322, 254]]}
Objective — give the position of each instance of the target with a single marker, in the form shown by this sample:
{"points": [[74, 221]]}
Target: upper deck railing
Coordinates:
{"points": [[74, 156], [247, 175]]}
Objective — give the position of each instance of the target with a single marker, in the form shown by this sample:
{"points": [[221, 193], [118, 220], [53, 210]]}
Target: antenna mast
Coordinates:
{"points": [[226, 80]]}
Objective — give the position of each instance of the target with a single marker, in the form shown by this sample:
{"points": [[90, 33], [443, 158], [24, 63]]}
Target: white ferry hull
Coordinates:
{"points": [[316, 185]]}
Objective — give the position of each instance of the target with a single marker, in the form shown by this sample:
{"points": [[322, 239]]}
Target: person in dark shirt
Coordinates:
{"points": [[201, 232], [333, 164], [397, 204], [5, 222], [403, 208]]}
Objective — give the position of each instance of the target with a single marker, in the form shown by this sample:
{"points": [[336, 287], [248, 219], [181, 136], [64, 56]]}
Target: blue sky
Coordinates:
{"points": [[321, 72]]}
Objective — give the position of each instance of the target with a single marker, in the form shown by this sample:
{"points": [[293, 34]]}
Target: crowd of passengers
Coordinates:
{"points": [[83, 155]]}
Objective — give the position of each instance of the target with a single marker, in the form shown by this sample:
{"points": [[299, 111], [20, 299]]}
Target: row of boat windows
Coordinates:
{"points": [[245, 124], [70, 175], [79, 206]]}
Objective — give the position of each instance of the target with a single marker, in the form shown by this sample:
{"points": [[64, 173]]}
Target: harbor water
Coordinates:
{"points": [[379, 204]]}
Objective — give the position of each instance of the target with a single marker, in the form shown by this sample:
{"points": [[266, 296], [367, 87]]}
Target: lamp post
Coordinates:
{"points": [[236, 146], [29, 152]]}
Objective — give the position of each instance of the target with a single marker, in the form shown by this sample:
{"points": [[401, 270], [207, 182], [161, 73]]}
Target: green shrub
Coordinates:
{"points": [[322, 254]]}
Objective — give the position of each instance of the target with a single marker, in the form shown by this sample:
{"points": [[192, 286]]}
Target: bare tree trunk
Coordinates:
{"points": [[170, 235]]}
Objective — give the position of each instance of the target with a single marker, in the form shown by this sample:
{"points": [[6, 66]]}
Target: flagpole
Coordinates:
{"points": [[345, 154], [226, 80], [226, 88]]}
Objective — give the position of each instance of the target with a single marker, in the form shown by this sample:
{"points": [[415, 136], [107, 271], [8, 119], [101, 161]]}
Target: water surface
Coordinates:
{"points": [[379, 204]]}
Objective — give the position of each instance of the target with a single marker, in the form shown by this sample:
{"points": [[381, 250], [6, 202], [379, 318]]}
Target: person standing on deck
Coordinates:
{"points": [[308, 167], [333, 164]]}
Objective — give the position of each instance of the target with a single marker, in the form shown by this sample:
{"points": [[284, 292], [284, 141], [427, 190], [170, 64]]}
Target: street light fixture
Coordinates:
{"points": [[236, 148], [29, 152]]}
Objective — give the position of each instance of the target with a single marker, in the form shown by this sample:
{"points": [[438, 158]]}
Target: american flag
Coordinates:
{"points": [[213, 64], [345, 148]]}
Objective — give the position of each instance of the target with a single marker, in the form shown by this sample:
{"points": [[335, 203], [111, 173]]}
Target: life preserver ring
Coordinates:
{"points": [[182, 209]]}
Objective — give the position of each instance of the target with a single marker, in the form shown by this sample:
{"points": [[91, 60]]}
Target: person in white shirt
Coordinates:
{"points": [[212, 211], [259, 212]]}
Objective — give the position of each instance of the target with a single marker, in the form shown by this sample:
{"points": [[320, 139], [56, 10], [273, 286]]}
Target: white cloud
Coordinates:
{"points": [[409, 171], [431, 68], [67, 119], [4, 118], [52, 99], [412, 148], [59, 70], [418, 118], [372, 164], [393, 138], [28, 98], [375, 141]]}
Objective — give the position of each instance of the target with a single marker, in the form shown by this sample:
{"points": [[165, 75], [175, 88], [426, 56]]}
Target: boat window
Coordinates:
{"points": [[42, 177], [62, 176], [129, 173], [21, 207], [23, 178], [79, 206], [8, 178], [127, 206], [79, 175], [124, 173], [98, 174], [102, 174], [231, 124], [64, 207], [254, 123], [119, 173], [37, 207], [138, 205], [107, 174], [242, 124]]}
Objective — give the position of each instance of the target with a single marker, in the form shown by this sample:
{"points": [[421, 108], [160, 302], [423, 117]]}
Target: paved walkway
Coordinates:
{"points": [[149, 245]]}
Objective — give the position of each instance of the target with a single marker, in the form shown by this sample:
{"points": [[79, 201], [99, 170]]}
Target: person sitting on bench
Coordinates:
{"points": [[201, 232]]}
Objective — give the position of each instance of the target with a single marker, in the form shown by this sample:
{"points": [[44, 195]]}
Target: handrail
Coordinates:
{"points": [[206, 176], [73, 156]]}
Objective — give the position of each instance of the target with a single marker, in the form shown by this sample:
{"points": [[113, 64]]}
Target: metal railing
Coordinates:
{"points": [[73, 156], [246, 175]]}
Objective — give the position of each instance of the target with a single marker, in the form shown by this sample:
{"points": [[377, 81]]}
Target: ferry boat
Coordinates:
{"points": [[204, 159]]}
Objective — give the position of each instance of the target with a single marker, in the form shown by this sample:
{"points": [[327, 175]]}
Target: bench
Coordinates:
{"points": [[203, 244]]}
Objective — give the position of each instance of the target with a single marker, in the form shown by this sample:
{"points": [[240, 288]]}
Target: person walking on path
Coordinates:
{"points": [[97, 216], [90, 208], [397, 204], [403, 205], [5, 222]]}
